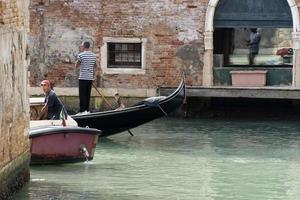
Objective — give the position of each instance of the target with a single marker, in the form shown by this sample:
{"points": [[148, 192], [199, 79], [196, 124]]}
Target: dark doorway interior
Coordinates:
{"points": [[224, 43]]}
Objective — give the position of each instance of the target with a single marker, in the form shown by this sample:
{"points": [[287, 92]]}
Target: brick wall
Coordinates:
{"points": [[14, 109], [173, 30]]}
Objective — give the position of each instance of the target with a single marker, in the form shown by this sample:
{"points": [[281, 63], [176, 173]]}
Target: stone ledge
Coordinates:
{"points": [[239, 92], [14, 175]]}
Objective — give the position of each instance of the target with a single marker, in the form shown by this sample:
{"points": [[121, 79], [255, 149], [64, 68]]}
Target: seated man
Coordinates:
{"points": [[53, 108], [119, 102]]}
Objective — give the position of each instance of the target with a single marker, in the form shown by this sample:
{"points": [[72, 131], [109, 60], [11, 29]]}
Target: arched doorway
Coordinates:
{"points": [[213, 18]]}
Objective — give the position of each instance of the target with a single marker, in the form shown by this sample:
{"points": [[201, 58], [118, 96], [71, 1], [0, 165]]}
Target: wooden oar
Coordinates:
{"points": [[108, 103], [103, 97], [129, 131]]}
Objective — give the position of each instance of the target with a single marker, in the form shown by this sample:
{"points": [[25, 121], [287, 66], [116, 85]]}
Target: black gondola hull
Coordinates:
{"points": [[112, 122]]}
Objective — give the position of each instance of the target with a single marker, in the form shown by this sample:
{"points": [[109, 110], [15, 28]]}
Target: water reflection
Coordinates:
{"points": [[182, 159]]}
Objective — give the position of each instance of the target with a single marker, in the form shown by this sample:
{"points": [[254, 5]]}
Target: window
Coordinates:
{"points": [[124, 55], [121, 55]]}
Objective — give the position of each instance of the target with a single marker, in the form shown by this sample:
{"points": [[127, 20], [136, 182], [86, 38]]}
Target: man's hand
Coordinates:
{"points": [[44, 108], [43, 114], [247, 42], [77, 64], [97, 72]]}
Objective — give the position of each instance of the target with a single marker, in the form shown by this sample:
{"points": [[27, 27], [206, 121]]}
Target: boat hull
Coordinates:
{"points": [[112, 122], [52, 145]]}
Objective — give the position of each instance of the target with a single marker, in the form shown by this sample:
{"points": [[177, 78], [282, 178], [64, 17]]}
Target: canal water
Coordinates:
{"points": [[182, 159]]}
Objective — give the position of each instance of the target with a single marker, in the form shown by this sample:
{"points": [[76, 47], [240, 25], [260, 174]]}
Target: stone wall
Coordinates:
{"points": [[14, 108], [173, 29]]}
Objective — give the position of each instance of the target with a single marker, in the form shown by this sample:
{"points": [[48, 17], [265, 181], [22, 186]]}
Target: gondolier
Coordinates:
{"points": [[86, 61]]}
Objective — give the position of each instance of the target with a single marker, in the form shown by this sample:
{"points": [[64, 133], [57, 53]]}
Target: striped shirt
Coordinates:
{"points": [[87, 61]]}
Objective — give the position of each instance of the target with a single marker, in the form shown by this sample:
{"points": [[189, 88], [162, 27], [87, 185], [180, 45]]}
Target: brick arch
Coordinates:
{"points": [[208, 42]]}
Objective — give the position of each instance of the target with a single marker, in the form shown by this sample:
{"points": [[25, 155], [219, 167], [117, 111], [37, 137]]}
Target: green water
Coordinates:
{"points": [[182, 159]]}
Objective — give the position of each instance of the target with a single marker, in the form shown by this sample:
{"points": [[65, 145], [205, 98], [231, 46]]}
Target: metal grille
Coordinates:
{"points": [[124, 55]]}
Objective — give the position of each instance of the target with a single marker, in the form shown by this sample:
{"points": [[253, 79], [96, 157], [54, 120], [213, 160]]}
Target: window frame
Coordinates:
{"points": [[124, 55], [130, 69]]}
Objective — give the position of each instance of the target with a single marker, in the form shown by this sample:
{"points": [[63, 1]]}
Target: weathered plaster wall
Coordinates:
{"points": [[14, 109], [173, 29]]}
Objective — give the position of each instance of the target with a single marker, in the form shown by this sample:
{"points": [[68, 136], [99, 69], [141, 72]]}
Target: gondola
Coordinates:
{"points": [[116, 121]]}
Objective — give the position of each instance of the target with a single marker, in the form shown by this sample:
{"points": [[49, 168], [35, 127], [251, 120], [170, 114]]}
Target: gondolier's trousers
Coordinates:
{"points": [[85, 87]]}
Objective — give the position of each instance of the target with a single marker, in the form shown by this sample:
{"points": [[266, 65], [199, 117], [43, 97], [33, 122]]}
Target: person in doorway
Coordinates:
{"points": [[86, 62], [119, 101], [53, 108], [253, 44]]}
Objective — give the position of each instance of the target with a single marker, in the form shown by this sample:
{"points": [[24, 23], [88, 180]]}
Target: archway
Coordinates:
{"points": [[208, 43]]}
